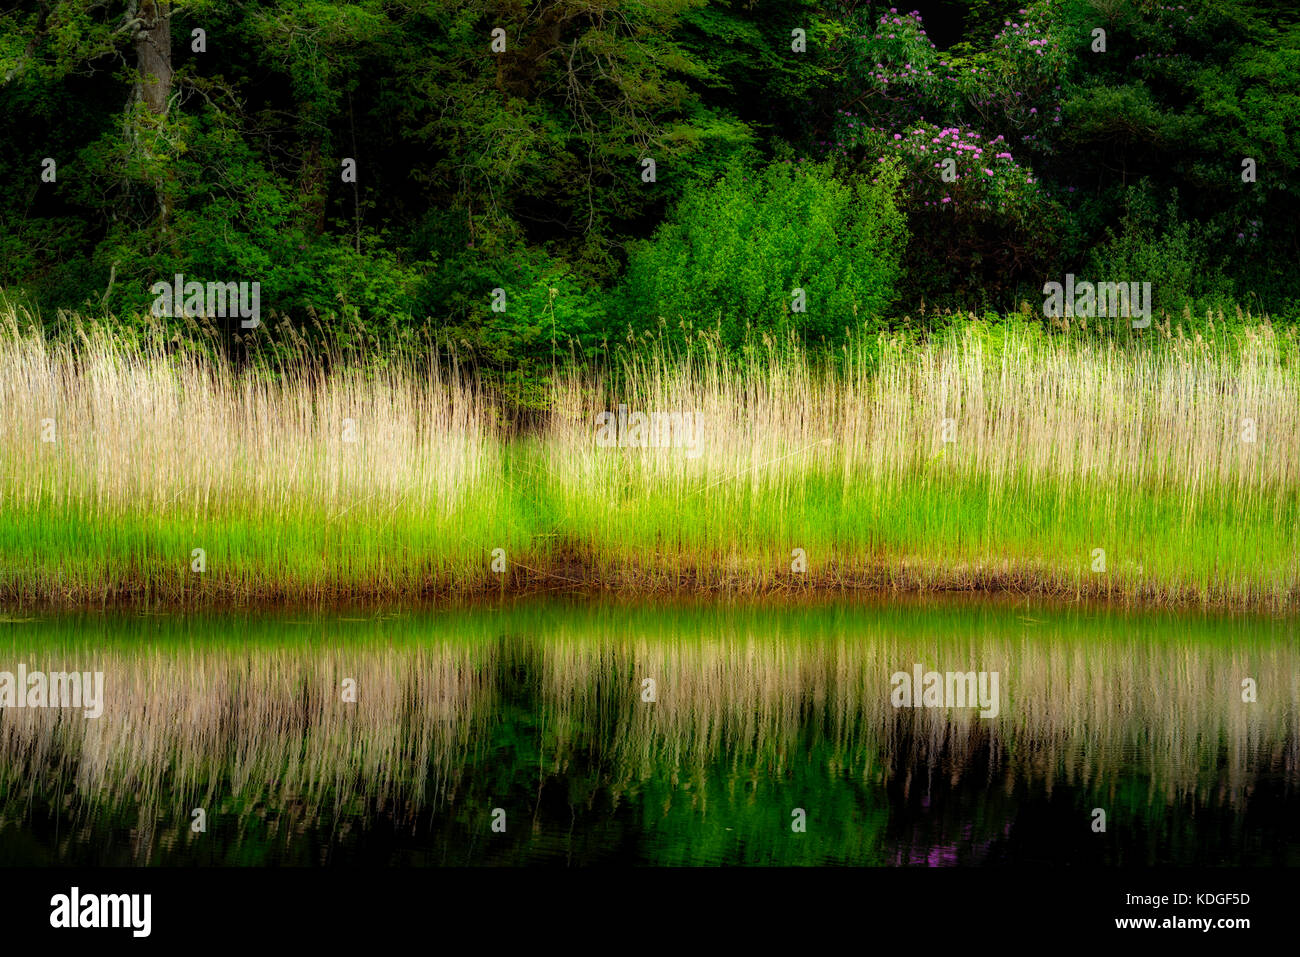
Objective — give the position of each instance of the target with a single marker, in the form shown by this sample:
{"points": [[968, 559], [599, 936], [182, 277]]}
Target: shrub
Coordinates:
{"points": [[1165, 250], [733, 253], [551, 315]]}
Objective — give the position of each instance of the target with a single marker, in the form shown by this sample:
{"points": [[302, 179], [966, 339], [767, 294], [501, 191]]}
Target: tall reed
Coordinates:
{"points": [[1162, 470]]}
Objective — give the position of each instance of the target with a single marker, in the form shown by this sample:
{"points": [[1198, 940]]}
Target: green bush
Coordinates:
{"points": [[550, 315], [1166, 250], [732, 254]]}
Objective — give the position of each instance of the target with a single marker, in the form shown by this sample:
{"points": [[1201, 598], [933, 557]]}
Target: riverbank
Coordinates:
{"points": [[1163, 470]]}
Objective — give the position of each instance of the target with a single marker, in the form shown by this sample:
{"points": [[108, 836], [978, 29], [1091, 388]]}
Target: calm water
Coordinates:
{"points": [[537, 709]]}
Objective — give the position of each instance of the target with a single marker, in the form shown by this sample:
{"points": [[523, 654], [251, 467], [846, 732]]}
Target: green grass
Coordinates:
{"points": [[1064, 444]]}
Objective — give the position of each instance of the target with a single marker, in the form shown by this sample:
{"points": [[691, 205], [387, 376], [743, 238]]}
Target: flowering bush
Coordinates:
{"points": [[984, 112], [988, 180]]}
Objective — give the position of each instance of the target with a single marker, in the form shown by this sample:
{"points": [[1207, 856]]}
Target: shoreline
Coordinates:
{"points": [[881, 582]]}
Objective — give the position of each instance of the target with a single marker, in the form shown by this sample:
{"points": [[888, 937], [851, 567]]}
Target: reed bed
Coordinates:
{"points": [[1160, 471]]}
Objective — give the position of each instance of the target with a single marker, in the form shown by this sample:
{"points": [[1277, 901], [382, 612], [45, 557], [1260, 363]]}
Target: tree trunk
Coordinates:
{"points": [[153, 55], [150, 24]]}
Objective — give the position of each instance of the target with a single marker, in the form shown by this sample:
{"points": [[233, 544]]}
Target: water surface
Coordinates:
{"points": [[538, 709]]}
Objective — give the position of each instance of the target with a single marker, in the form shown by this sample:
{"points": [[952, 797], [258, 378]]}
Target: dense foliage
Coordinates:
{"points": [[606, 168], [788, 248]]}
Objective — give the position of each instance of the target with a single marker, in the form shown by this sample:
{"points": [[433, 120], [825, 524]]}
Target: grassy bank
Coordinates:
{"points": [[991, 458]]}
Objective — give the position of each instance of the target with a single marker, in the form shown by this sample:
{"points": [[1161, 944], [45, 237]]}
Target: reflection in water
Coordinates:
{"points": [[538, 709]]}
